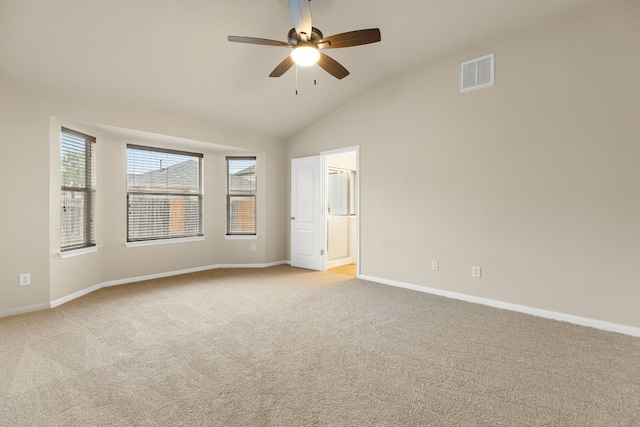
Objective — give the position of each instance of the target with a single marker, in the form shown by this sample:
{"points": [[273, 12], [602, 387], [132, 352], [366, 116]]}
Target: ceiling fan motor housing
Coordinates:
{"points": [[316, 36]]}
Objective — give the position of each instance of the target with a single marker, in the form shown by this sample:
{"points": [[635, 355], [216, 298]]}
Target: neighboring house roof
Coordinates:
{"points": [[178, 177], [243, 181]]}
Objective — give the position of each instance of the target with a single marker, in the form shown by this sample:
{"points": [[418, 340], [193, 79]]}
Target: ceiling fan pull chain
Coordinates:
{"points": [[296, 79]]}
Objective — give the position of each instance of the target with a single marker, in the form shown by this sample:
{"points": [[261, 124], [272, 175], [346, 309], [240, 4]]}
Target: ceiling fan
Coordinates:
{"points": [[308, 41]]}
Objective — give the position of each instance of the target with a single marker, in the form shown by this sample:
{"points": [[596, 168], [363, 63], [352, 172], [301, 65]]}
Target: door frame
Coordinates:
{"points": [[325, 176]]}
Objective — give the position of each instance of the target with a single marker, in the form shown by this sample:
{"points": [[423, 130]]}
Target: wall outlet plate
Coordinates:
{"points": [[25, 279], [476, 271], [435, 265]]}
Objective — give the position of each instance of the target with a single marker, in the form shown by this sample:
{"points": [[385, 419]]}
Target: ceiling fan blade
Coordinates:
{"points": [[301, 17], [255, 40], [351, 38], [332, 67], [282, 67]]}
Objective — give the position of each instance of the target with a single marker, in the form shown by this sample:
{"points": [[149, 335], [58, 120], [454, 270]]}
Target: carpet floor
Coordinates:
{"points": [[289, 347]]}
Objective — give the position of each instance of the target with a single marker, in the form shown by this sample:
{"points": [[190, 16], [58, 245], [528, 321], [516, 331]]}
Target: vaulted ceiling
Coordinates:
{"points": [[173, 56]]}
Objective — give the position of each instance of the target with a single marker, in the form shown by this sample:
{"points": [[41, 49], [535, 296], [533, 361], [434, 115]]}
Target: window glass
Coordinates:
{"points": [[77, 197], [341, 192], [164, 193], [241, 195]]}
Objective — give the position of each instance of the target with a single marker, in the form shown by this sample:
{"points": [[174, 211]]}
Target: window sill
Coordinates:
{"points": [[240, 237], [78, 252], [163, 241]]}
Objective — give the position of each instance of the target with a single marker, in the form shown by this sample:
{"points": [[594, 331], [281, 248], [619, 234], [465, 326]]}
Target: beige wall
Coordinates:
{"points": [[29, 136], [535, 179]]}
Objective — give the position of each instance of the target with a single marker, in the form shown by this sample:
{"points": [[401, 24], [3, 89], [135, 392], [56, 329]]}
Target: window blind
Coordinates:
{"points": [[241, 195], [164, 193], [77, 196]]}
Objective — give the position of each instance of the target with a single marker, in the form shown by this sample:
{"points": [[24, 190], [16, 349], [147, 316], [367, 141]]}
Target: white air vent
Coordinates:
{"points": [[477, 73]]}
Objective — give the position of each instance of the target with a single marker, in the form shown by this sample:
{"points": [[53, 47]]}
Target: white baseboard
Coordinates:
{"points": [[339, 262], [187, 271], [71, 297], [83, 292], [23, 310], [577, 320], [269, 264], [155, 276]]}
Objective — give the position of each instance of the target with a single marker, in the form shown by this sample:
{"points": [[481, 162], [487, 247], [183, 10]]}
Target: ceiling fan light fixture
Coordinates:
{"points": [[306, 41], [305, 54]]}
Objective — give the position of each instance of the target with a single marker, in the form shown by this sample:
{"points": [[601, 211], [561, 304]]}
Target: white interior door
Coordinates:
{"points": [[307, 213]]}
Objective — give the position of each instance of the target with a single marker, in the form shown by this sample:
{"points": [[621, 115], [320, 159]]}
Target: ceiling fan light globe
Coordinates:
{"points": [[305, 55]]}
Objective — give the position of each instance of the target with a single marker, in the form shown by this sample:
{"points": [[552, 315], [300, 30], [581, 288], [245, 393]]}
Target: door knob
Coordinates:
{"points": [[292, 218]]}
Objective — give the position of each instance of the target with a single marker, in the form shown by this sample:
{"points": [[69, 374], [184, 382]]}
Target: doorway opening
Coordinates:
{"points": [[325, 209], [341, 208]]}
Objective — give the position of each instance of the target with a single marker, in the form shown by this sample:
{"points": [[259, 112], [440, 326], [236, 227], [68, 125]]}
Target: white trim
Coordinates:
{"points": [[77, 252], [187, 271], [340, 150], [71, 297], [270, 264], [118, 282], [339, 262], [577, 320], [241, 237], [154, 276], [86, 291], [276, 263], [23, 310], [164, 241]]}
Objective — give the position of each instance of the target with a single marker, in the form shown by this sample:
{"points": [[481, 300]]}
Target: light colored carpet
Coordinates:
{"points": [[289, 347]]}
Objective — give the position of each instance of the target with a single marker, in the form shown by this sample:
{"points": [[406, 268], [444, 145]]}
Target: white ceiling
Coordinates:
{"points": [[173, 56]]}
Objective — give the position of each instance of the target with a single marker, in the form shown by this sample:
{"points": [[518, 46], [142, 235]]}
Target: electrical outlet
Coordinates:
{"points": [[435, 265], [476, 271], [253, 248], [25, 279]]}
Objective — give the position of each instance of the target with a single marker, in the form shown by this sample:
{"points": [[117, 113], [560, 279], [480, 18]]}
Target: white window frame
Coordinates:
{"points": [[85, 203], [163, 235], [251, 194]]}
